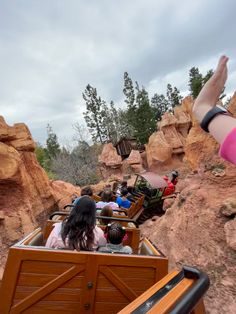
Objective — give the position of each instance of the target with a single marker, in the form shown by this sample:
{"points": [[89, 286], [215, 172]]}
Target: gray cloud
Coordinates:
{"points": [[50, 51]]}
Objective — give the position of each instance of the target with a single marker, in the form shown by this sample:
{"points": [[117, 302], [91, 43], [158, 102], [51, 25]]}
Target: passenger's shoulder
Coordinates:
{"points": [[98, 230]]}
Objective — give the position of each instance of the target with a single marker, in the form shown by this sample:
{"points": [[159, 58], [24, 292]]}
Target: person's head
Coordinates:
{"points": [[106, 196], [124, 184], [87, 190], [130, 189], [124, 192], [174, 175], [106, 212], [115, 186], [79, 226], [115, 233], [73, 198]]}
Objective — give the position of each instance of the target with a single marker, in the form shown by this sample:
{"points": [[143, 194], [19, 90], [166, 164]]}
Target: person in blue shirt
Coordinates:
{"points": [[122, 200]]}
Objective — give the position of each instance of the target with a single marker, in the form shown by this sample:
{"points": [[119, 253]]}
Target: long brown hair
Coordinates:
{"points": [[79, 227], [107, 212]]}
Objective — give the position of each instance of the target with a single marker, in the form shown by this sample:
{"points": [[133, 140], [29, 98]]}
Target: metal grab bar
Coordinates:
{"points": [[98, 217]]}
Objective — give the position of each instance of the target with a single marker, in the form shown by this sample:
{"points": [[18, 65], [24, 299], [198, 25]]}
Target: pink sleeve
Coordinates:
{"points": [[54, 240], [99, 239], [228, 147]]}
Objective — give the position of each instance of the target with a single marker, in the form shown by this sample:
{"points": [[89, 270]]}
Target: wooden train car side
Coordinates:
{"points": [[41, 280]]}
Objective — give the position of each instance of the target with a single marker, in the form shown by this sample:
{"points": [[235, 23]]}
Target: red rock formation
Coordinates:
{"points": [[26, 195], [62, 192], [165, 147], [109, 156], [232, 105], [200, 229], [180, 136], [135, 161]]}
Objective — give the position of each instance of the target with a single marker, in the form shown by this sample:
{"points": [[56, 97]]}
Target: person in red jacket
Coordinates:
{"points": [[170, 189]]}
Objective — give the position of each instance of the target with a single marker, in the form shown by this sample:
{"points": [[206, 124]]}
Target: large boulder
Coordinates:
{"points": [[109, 157], [165, 148], [110, 162], [63, 192], [26, 196]]}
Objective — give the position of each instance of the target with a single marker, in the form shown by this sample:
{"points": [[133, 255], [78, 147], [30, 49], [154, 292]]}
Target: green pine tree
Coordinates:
{"points": [[94, 114], [52, 145]]}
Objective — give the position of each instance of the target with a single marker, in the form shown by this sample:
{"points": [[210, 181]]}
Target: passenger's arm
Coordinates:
{"points": [[221, 125]]}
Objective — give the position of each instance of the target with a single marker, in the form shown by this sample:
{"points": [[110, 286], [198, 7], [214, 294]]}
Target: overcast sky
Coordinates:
{"points": [[50, 51]]}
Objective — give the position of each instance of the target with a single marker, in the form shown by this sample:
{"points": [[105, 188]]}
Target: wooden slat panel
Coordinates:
{"points": [[44, 267], [108, 295], [60, 294], [109, 308], [45, 290], [38, 280], [48, 307], [133, 272], [118, 283], [35, 280], [138, 284]]}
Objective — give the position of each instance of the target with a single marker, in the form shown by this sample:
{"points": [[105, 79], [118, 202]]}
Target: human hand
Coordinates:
{"points": [[211, 91]]}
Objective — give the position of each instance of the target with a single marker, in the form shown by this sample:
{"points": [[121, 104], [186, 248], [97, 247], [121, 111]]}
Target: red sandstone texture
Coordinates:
{"points": [[199, 229], [26, 194]]}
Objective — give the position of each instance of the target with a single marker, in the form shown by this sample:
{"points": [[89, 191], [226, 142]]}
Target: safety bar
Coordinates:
{"points": [[69, 205], [189, 299], [99, 217], [114, 210], [187, 303]]}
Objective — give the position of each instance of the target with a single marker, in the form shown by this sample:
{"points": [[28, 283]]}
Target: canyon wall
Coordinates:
{"points": [[26, 194]]}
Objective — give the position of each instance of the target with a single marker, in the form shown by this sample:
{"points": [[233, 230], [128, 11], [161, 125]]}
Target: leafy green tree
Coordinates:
{"points": [[94, 115], [52, 145], [128, 90], [173, 97], [115, 123], [195, 81], [41, 154], [160, 105], [145, 116], [140, 116]]}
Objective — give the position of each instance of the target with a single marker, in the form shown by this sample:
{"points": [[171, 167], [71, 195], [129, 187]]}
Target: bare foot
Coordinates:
{"points": [[211, 91]]}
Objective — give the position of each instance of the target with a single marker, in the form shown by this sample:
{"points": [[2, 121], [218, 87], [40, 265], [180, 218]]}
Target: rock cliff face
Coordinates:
{"points": [[111, 163], [166, 147], [26, 194], [180, 139], [200, 229]]}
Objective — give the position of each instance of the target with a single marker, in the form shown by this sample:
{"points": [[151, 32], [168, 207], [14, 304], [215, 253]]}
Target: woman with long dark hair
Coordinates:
{"points": [[79, 231]]}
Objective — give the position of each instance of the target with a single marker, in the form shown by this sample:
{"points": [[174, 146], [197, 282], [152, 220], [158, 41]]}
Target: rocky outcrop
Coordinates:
{"points": [[180, 138], [111, 163], [166, 147], [232, 105], [63, 192], [26, 194], [134, 161], [199, 229], [109, 157]]}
